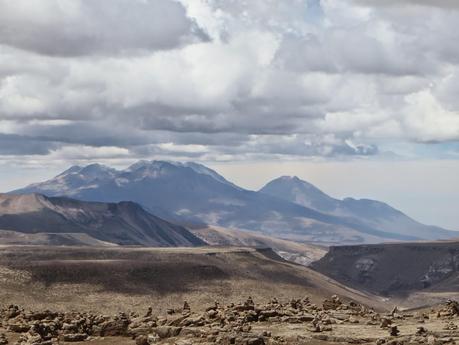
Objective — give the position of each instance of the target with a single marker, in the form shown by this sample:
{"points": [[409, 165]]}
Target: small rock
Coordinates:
{"points": [[421, 330], [393, 331], [186, 307], [385, 322], [142, 340]]}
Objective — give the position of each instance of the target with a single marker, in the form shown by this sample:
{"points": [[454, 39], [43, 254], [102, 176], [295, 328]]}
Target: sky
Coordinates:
{"points": [[359, 97]]}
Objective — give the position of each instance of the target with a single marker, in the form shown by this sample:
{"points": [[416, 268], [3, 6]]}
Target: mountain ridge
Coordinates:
{"points": [[372, 212], [123, 223], [190, 193]]}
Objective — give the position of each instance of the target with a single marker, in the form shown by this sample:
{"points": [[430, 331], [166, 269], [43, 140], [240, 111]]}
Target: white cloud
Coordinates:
{"points": [[80, 152], [183, 148], [364, 75], [425, 119]]}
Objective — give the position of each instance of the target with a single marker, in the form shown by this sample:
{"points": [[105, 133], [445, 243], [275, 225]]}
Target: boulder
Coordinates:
{"points": [[167, 331], [142, 340], [332, 304], [116, 327]]}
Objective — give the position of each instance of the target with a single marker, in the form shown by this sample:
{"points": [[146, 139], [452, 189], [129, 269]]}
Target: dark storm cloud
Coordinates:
{"points": [[87, 133], [223, 123], [22, 145], [86, 27]]}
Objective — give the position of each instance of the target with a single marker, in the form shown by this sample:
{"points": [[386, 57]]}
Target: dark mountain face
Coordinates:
{"points": [[394, 269], [193, 194], [373, 213], [124, 223]]}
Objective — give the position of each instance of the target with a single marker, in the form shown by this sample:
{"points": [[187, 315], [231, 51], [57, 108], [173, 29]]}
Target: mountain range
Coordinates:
{"points": [[375, 214], [194, 195], [37, 219]]}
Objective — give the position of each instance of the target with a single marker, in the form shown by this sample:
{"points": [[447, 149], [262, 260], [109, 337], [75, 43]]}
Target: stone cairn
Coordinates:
{"points": [[216, 324]]}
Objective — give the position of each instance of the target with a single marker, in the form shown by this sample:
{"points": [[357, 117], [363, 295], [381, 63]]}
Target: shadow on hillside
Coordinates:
{"points": [[141, 272]]}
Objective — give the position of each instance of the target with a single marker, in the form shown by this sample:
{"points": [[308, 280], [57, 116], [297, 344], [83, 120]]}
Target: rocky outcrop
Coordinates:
{"points": [[245, 323], [393, 269], [230, 324]]}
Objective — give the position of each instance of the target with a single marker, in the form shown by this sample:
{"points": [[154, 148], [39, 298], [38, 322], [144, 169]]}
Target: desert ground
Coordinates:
{"points": [[208, 295], [128, 279]]}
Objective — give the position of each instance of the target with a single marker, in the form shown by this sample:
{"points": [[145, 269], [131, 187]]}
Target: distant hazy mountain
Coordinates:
{"points": [[37, 219], [191, 193], [373, 213]]}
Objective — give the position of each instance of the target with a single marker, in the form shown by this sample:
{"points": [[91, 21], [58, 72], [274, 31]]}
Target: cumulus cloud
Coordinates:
{"points": [[225, 80], [433, 3], [86, 27]]}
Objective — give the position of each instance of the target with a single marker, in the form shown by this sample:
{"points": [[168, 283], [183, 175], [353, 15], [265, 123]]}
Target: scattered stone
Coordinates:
{"points": [[450, 326], [142, 340], [149, 312], [186, 307], [385, 322], [432, 340], [450, 308], [393, 331], [332, 304], [421, 330], [237, 323], [167, 331]]}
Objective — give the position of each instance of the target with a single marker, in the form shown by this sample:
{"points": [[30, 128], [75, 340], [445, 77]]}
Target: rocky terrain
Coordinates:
{"points": [[244, 322], [192, 194], [207, 295], [37, 219], [419, 273]]}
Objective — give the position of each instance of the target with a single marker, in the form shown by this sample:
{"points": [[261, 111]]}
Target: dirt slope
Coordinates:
{"points": [[66, 239], [114, 279]]}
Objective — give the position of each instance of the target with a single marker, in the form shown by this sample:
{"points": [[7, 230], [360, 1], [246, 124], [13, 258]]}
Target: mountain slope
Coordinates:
{"points": [[193, 194], [51, 239], [107, 279], [374, 213], [420, 272], [125, 223]]}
